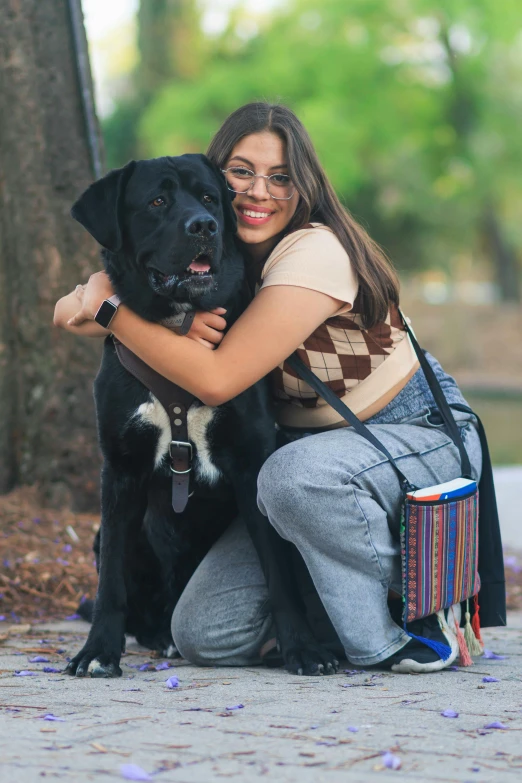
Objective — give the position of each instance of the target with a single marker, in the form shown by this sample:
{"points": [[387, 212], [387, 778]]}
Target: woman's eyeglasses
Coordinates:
{"points": [[240, 180]]}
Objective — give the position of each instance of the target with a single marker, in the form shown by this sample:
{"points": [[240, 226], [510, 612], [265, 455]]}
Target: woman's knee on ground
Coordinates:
{"points": [[189, 631]]}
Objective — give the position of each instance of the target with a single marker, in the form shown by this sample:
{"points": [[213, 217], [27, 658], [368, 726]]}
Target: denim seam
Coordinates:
{"points": [[368, 531], [386, 461]]}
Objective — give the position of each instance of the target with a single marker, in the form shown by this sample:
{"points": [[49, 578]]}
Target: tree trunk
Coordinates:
{"points": [[504, 259], [47, 421]]}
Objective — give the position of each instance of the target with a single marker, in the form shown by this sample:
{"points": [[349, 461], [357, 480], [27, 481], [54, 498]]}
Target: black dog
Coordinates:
{"points": [[167, 227]]}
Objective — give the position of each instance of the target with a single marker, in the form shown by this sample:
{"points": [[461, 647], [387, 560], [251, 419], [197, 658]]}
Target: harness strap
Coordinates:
{"points": [[176, 402]]}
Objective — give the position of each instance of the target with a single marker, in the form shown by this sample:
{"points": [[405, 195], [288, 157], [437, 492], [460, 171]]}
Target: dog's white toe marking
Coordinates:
{"points": [[171, 651], [95, 666]]}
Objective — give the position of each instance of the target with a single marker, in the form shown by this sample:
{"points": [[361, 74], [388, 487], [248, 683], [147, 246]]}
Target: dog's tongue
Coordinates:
{"points": [[199, 266]]}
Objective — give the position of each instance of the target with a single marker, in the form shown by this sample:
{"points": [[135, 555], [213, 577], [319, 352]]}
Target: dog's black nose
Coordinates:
{"points": [[201, 227]]}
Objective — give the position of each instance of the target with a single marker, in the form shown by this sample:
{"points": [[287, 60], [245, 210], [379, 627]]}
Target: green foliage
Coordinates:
{"points": [[414, 107]]}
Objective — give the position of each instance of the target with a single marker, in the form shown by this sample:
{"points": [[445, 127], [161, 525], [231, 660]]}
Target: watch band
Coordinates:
{"points": [[181, 323]]}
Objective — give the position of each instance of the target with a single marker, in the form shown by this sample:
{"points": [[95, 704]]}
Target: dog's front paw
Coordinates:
{"points": [[95, 661], [310, 659], [300, 652]]}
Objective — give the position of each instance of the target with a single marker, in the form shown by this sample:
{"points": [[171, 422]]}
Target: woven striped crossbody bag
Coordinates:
{"points": [[439, 524]]}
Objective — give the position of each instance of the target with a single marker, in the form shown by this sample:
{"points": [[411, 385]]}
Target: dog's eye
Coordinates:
{"points": [[208, 199], [158, 202]]}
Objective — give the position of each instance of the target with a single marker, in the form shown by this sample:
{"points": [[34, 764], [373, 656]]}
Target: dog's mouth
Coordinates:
{"points": [[198, 274]]}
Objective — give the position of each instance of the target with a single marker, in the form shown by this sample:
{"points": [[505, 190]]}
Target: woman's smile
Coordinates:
{"points": [[254, 215]]}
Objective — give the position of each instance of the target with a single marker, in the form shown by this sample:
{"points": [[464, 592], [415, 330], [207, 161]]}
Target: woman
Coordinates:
{"points": [[322, 286]]}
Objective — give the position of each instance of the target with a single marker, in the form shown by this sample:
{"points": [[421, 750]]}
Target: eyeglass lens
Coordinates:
{"points": [[241, 180]]}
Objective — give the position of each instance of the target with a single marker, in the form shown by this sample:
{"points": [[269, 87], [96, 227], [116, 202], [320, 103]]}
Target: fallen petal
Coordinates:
{"points": [[172, 682], [38, 659], [51, 670], [391, 761], [493, 656], [133, 772], [24, 673], [50, 716], [449, 714], [490, 679], [162, 666], [73, 616], [240, 707], [495, 725], [353, 729]]}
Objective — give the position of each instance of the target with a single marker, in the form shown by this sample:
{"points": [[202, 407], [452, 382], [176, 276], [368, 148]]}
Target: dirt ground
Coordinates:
{"points": [[48, 565]]}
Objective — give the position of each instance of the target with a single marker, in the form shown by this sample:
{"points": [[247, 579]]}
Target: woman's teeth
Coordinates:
{"points": [[250, 213]]}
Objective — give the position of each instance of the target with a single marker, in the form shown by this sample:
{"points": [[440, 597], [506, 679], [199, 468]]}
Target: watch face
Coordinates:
{"points": [[106, 313]]}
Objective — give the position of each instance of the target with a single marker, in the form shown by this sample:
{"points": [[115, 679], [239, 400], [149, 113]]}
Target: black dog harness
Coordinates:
{"points": [[176, 402]]}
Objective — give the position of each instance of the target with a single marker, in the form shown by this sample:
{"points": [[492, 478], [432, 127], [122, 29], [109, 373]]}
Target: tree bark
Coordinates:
{"points": [[47, 421], [504, 258]]}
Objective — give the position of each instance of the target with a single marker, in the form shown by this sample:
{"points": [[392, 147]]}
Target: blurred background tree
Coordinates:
{"points": [[414, 107]]}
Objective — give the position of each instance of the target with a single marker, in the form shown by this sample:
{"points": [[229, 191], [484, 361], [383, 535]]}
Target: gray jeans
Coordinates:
{"points": [[337, 499]]}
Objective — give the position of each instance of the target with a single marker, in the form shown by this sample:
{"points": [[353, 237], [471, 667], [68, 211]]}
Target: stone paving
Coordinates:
{"points": [[255, 723]]}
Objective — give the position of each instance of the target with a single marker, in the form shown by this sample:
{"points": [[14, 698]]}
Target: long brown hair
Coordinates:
{"points": [[378, 281]]}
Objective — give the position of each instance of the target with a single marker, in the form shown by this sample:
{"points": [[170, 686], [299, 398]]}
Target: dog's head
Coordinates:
{"points": [[168, 227]]}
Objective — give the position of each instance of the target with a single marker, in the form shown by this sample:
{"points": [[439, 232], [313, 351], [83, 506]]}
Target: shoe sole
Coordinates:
{"points": [[409, 666]]}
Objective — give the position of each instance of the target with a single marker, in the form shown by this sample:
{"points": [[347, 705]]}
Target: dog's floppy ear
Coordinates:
{"points": [[227, 196], [98, 208]]}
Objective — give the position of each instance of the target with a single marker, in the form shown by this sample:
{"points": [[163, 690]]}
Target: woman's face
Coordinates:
{"points": [[259, 216]]}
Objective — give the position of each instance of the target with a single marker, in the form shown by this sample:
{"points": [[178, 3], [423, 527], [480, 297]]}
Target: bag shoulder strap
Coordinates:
{"points": [[348, 415], [328, 395], [440, 399]]}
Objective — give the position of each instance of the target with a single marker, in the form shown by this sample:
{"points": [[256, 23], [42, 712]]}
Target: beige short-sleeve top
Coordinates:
{"points": [[366, 368]]}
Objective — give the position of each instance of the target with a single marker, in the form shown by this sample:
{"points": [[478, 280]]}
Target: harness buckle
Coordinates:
{"points": [[184, 444]]}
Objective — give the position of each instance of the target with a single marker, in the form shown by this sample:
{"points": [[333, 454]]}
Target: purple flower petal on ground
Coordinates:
{"points": [[2, 618], [172, 682], [24, 673], [51, 670], [495, 725], [133, 772], [353, 729], [162, 666], [493, 656], [73, 617], [50, 716], [449, 714], [241, 706], [38, 659], [490, 679], [144, 667], [390, 761]]}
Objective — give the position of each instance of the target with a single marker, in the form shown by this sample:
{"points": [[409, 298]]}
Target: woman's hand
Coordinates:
{"points": [[91, 296], [207, 327]]}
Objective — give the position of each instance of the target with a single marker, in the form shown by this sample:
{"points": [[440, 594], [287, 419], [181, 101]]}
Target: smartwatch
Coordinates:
{"points": [[107, 311]]}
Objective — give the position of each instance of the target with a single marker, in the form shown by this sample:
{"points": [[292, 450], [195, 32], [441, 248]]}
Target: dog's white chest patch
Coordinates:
{"points": [[198, 420]]}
